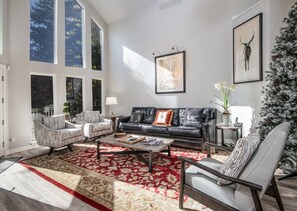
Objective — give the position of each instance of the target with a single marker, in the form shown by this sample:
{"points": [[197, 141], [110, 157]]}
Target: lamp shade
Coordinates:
{"points": [[111, 101]]}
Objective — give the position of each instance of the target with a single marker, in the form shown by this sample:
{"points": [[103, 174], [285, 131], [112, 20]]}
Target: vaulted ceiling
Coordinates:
{"points": [[114, 10]]}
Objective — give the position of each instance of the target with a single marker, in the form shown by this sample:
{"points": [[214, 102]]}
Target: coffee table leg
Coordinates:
{"points": [[98, 149], [169, 153], [150, 161]]}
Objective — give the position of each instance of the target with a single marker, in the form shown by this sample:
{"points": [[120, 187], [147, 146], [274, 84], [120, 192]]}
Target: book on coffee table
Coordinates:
{"points": [[129, 139]]}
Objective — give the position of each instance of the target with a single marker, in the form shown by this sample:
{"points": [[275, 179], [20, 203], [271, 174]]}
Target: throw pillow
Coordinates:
{"points": [[240, 156], [193, 117], [163, 118], [136, 117]]}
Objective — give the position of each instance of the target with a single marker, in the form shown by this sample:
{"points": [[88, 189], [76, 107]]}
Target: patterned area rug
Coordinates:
{"points": [[116, 182]]}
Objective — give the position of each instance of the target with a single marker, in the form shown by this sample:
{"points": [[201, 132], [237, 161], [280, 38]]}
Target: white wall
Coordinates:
{"points": [[204, 29], [248, 96], [19, 76]]}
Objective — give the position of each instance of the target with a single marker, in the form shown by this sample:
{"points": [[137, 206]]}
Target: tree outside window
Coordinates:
{"points": [[42, 30]]}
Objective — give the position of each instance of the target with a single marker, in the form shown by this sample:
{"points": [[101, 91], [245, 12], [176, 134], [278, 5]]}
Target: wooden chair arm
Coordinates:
{"points": [[248, 184], [228, 149]]}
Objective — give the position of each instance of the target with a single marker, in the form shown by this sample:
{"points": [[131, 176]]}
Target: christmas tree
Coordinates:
{"points": [[280, 101]]}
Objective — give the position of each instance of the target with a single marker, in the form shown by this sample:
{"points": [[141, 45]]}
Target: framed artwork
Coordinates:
{"points": [[247, 51], [170, 73]]}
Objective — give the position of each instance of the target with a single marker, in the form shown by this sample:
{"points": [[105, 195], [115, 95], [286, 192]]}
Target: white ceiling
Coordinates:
{"points": [[114, 10]]}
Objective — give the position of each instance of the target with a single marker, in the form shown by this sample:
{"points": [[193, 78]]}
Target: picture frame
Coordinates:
{"points": [[170, 70], [247, 51]]}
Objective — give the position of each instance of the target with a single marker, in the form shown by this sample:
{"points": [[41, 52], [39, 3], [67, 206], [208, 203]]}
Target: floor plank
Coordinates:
{"points": [[20, 189]]}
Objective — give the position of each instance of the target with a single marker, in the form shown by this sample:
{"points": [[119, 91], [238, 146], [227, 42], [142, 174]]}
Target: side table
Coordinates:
{"points": [[113, 119], [232, 127]]}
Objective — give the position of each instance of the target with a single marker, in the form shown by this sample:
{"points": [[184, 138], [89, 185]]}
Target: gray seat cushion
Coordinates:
{"points": [[207, 183], [185, 131]]}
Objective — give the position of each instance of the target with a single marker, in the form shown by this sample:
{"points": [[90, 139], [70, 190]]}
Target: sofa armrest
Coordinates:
{"points": [[45, 136], [119, 120], [71, 125]]}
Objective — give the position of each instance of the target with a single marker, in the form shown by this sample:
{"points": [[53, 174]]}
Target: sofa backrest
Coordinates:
{"points": [[149, 114], [91, 116], [55, 122]]}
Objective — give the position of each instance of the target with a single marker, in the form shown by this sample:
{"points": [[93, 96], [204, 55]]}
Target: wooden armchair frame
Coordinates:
{"points": [[212, 202]]}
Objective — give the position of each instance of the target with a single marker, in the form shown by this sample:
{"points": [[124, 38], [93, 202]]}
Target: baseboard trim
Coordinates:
{"points": [[20, 149]]}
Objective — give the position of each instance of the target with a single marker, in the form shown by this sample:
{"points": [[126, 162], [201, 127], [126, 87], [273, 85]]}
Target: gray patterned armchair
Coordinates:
{"points": [[55, 132], [94, 124]]}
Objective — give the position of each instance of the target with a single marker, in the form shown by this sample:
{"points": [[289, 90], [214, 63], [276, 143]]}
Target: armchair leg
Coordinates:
{"points": [[51, 150], [70, 147], [182, 183], [276, 194], [256, 200], [85, 140]]}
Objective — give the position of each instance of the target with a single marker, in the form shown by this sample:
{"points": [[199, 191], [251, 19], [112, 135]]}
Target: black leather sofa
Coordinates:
{"points": [[184, 135]]}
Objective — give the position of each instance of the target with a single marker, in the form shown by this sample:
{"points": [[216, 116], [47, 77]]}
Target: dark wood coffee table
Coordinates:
{"points": [[138, 149]]}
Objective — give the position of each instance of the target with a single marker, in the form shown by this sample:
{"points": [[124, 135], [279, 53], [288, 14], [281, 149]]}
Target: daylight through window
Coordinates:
{"points": [[42, 30], [42, 97], [97, 93], [74, 95], [96, 46], [73, 34]]}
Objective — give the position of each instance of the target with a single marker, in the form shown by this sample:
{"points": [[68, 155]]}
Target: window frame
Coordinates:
{"points": [[101, 41], [83, 88], [55, 35], [102, 106], [1, 27], [83, 34]]}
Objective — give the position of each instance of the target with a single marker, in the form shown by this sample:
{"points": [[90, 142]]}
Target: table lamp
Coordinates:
{"points": [[111, 101]]}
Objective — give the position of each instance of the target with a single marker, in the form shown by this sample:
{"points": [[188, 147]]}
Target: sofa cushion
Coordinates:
{"points": [[193, 117], [67, 133], [54, 122], [130, 126], [148, 113], [155, 129], [181, 116], [185, 131], [163, 118], [136, 117], [240, 156]]}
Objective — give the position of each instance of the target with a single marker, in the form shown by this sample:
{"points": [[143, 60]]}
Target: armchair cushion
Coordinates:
{"points": [[240, 156], [92, 116], [55, 122]]}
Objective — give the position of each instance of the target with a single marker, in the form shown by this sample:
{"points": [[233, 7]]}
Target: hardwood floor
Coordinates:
{"points": [[22, 190]]}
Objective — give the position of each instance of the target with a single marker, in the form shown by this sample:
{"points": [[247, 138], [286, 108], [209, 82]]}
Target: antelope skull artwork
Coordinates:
{"points": [[247, 50]]}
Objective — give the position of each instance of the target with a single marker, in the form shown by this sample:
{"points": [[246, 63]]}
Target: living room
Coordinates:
{"points": [[132, 35]]}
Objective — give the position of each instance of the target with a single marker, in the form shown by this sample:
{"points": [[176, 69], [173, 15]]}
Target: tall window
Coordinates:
{"points": [[96, 46], [42, 97], [74, 95], [73, 34], [97, 93], [42, 30]]}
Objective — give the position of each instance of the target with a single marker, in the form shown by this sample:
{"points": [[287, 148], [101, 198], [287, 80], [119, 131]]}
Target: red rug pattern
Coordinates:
{"points": [[165, 178]]}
